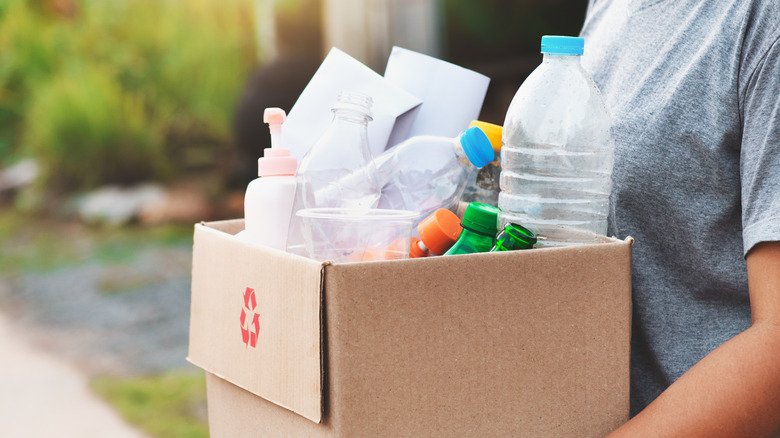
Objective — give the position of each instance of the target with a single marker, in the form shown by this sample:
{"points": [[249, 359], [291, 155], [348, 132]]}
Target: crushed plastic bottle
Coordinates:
{"points": [[558, 151], [426, 173]]}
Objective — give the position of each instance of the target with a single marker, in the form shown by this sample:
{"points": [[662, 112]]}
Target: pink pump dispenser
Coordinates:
{"points": [[268, 201], [276, 160]]}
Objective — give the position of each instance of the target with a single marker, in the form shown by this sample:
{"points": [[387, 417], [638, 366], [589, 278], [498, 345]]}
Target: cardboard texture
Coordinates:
{"points": [[255, 319], [528, 343]]}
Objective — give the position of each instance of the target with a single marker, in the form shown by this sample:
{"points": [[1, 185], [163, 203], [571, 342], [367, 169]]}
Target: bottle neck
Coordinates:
{"points": [[471, 233], [276, 139], [351, 116], [553, 58], [463, 159]]}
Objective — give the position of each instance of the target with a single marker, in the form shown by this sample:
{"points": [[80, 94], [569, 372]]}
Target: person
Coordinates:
{"points": [[277, 83], [693, 88]]}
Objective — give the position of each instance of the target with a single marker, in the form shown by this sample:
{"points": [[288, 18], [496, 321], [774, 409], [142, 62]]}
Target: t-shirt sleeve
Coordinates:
{"points": [[760, 152]]}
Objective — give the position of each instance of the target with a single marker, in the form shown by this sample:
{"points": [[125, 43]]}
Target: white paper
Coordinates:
{"points": [[311, 115], [452, 95]]}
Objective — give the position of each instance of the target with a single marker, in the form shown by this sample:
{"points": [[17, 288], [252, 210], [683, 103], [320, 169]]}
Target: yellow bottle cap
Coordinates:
{"points": [[493, 133]]}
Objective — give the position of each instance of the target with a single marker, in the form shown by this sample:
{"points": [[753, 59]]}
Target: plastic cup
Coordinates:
{"points": [[353, 235]]}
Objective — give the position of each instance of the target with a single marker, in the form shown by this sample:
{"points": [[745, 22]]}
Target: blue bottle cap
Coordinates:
{"points": [[562, 45], [477, 147]]}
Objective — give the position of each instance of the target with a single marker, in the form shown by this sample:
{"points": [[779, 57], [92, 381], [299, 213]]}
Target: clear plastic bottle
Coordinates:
{"points": [[268, 200], [338, 171], [426, 173], [341, 150], [558, 151], [483, 186]]}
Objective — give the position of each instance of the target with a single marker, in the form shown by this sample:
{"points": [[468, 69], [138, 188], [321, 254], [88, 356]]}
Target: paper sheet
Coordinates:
{"points": [[452, 95], [310, 116]]}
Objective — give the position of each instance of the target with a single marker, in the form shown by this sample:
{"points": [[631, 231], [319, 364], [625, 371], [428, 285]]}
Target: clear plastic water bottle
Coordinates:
{"points": [[558, 151], [339, 152], [426, 173], [338, 171]]}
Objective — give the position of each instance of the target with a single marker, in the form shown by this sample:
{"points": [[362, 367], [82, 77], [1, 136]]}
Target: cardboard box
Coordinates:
{"points": [[528, 343]]}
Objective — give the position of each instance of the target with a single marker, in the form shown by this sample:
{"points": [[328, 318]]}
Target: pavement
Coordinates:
{"points": [[41, 395], [122, 311]]}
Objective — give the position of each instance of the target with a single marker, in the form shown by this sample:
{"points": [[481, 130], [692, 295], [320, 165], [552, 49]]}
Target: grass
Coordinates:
{"points": [[170, 405], [116, 245], [122, 278], [30, 243]]}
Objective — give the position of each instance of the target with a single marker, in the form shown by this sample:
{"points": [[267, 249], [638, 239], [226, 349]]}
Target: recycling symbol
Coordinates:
{"points": [[250, 325]]}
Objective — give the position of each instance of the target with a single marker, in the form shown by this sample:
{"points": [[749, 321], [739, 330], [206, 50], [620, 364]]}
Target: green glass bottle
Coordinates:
{"points": [[514, 237], [479, 230]]}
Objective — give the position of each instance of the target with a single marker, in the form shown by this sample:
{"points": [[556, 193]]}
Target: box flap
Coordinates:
{"points": [[248, 328]]}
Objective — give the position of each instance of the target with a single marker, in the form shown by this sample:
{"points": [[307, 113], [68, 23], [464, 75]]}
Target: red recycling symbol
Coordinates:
{"points": [[249, 330]]}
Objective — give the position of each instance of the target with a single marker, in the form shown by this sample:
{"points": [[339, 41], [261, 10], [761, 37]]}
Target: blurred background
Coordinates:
{"points": [[124, 122]]}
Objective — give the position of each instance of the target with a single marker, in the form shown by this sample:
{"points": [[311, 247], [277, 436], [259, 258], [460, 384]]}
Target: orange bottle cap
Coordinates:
{"points": [[415, 251], [440, 230]]}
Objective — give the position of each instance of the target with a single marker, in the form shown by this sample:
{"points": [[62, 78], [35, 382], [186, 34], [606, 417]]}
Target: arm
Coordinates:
{"points": [[735, 390]]}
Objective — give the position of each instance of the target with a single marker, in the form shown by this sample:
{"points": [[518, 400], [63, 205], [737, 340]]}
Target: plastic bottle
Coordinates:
{"points": [[558, 151], [514, 237], [268, 200], [425, 173], [340, 152], [438, 232], [479, 230], [483, 186]]}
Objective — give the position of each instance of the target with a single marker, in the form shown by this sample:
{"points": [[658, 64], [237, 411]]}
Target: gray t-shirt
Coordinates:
{"points": [[693, 87]]}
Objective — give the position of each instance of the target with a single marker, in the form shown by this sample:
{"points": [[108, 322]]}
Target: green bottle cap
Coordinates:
{"points": [[481, 218], [514, 237]]}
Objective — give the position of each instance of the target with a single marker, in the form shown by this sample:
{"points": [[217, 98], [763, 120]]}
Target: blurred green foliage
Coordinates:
{"points": [[121, 91]]}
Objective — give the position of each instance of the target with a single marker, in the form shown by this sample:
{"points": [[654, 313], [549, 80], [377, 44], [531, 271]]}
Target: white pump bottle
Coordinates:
{"points": [[268, 201]]}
